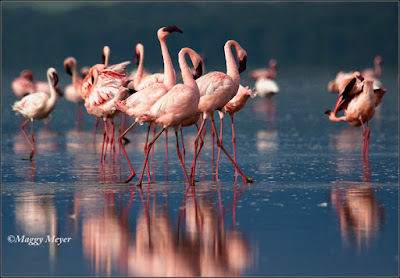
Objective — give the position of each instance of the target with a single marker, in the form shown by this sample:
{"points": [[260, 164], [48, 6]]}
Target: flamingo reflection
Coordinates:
{"points": [[360, 214]]}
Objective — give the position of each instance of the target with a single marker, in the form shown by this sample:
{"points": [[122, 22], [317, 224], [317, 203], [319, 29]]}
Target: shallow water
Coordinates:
{"points": [[310, 210]]}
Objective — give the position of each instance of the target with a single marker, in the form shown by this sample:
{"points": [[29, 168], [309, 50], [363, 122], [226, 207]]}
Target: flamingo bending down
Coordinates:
{"points": [[177, 106], [141, 102], [105, 90], [37, 106], [139, 78], [216, 90], [236, 104], [358, 108]]}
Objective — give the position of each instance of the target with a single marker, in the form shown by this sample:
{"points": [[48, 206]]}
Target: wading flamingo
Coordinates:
{"points": [[236, 104], [141, 101], [216, 90], [37, 106], [265, 84], [176, 106], [139, 78], [358, 108]]}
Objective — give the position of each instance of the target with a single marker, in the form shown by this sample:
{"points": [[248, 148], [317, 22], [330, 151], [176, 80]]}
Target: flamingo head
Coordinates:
{"points": [[84, 71], [164, 32], [52, 73], [139, 50], [378, 60], [273, 63], [27, 74], [68, 63], [242, 62]]}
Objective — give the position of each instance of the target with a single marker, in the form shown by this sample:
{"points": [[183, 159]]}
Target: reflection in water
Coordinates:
{"points": [[346, 141], [36, 216], [360, 214], [199, 245], [46, 141]]}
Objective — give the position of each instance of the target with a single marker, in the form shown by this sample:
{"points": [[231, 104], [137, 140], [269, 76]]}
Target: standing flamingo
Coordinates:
{"points": [[236, 104], [376, 72], [141, 101], [105, 90], [139, 78], [176, 106], [37, 106], [265, 84], [23, 85], [358, 108], [216, 90]]}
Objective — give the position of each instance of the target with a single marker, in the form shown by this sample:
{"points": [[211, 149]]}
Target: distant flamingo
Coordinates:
{"points": [[176, 106], [216, 90], [106, 90], [141, 101], [37, 106], [25, 84], [265, 84], [358, 108], [236, 104], [376, 71], [140, 78]]}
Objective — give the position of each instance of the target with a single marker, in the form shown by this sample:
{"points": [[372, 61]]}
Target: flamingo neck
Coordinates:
{"points": [[139, 71], [377, 69], [53, 94], [169, 72], [187, 76], [75, 76], [231, 67]]}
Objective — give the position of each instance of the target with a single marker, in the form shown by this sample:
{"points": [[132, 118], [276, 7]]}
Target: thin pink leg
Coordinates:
{"points": [[233, 141], [364, 138], [193, 168], [145, 150], [126, 155], [33, 153], [112, 141], [166, 143], [246, 180], [154, 135], [183, 145], [180, 157], [220, 142], [27, 139], [147, 156]]}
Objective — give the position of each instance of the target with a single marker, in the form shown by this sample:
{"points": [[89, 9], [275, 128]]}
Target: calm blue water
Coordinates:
{"points": [[308, 212]]}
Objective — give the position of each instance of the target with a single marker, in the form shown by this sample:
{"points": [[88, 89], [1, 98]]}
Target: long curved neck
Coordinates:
{"points": [[53, 93], [169, 72], [187, 76], [231, 67], [75, 76], [377, 69], [139, 71]]}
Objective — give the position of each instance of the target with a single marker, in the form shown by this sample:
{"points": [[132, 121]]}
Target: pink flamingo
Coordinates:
{"points": [[176, 106], [358, 108], [23, 85], [236, 104], [141, 101], [268, 73], [216, 90], [376, 71], [105, 90], [72, 91], [139, 78], [37, 106]]}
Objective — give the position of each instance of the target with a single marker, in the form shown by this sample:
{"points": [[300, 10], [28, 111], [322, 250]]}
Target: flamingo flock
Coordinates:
{"points": [[157, 99]]}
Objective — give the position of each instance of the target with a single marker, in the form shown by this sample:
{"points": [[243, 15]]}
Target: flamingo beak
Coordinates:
{"points": [[172, 28], [55, 82], [199, 71], [68, 69], [242, 64]]}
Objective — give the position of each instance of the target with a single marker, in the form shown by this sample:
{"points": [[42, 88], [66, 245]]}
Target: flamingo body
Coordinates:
{"points": [[266, 87]]}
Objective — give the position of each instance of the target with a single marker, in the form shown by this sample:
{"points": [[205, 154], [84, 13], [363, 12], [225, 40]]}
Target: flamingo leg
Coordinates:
{"points": [[183, 145], [166, 143], [220, 142], [33, 153], [154, 134], [364, 138], [139, 183], [96, 123], [145, 150], [26, 137], [246, 180], [126, 155], [233, 141], [180, 157], [112, 141], [193, 168], [203, 135]]}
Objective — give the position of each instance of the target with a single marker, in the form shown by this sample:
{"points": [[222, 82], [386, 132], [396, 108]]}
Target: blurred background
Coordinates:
{"points": [[338, 35]]}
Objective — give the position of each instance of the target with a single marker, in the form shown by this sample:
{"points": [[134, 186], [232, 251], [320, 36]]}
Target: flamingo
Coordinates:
{"points": [[23, 85], [359, 108], [37, 106], [73, 91], [141, 101], [376, 71], [105, 90], [236, 104], [142, 79], [265, 84], [176, 106], [216, 90]]}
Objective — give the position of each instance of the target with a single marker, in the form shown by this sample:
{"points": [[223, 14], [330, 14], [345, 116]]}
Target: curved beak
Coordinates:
{"points": [[243, 64]]}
